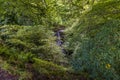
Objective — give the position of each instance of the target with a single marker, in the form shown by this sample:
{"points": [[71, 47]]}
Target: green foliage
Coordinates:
{"points": [[53, 71], [22, 12], [92, 35], [98, 54], [18, 63], [48, 68], [35, 39], [19, 44], [32, 12], [15, 62], [95, 41]]}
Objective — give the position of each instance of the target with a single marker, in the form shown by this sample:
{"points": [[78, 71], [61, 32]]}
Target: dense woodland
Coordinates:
{"points": [[59, 39]]}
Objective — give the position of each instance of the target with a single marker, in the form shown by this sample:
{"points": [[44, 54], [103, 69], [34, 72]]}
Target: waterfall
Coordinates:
{"points": [[59, 40]]}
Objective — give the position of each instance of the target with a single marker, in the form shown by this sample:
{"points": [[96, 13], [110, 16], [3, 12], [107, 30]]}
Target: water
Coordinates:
{"points": [[59, 41]]}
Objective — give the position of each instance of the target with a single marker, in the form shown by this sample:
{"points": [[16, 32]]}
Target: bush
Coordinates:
{"points": [[20, 44], [98, 54], [35, 39]]}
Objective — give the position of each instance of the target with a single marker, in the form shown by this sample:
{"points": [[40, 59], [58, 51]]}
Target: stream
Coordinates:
{"points": [[59, 41]]}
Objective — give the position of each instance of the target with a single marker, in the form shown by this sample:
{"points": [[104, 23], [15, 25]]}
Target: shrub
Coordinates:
{"points": [[98, 53], [35, 39]]}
